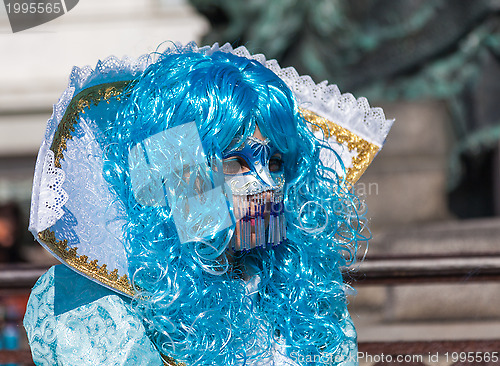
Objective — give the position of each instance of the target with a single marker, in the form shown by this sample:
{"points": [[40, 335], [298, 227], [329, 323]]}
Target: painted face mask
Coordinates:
{"points": [[254, 172]]}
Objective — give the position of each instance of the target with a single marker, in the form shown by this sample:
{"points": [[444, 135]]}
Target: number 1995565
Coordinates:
{"points": [[33, 8]]}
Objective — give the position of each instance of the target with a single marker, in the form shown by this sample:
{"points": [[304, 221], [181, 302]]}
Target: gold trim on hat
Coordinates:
{"points": [[90, 96], [365, 150], [82, 264]]}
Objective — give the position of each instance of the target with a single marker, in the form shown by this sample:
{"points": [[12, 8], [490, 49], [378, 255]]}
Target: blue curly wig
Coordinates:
{"points": [[201, 309]]}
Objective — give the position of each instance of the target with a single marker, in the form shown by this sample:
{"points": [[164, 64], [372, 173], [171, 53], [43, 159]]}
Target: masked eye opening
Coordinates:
{"points": [[235, 165], [275, 164]]}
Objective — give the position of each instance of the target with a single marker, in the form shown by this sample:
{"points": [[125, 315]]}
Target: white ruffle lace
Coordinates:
{"points": [[46, 206]]}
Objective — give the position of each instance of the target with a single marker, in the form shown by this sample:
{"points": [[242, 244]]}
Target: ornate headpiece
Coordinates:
{"points": [[73, 213]]}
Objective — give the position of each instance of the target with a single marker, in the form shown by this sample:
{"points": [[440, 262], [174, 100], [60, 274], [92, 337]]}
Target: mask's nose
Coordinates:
{"points": [[264, 175]]}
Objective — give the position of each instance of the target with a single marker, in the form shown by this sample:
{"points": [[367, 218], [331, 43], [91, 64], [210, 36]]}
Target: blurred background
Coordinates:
{"points": [[433, 193]]}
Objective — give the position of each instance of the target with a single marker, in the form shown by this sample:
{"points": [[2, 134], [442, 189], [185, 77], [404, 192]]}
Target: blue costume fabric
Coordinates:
{"points": [[71, 320]]}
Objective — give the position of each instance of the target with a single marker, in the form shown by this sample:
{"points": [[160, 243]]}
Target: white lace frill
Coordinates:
{"points": [[48, 196]]}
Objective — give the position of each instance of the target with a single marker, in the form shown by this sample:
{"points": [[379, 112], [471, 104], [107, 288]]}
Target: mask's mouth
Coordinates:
{"points": [[260, 220]]}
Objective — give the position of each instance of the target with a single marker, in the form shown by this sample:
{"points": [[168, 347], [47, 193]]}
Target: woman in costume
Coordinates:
{"points": [[204, 197]]}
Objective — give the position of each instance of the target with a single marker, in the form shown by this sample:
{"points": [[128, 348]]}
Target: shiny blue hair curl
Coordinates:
{"points": [[198, 308]]}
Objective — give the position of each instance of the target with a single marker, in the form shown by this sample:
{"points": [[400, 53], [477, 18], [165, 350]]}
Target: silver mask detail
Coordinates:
{"points": [[256, 180]]}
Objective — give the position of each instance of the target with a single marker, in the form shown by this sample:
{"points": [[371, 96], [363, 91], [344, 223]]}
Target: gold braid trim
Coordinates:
{"points": [[366, 150], [90, 96], [81, 263]]}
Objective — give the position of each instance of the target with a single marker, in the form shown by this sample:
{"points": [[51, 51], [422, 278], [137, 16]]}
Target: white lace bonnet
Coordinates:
{"points": [[73, 213]]}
